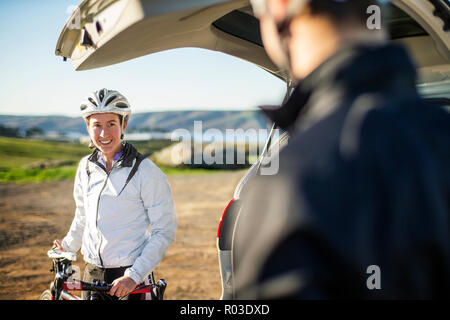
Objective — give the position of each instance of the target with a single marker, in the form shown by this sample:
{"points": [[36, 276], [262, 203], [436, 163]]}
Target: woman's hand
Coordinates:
{"points": [[58, 244], [122, 286]]}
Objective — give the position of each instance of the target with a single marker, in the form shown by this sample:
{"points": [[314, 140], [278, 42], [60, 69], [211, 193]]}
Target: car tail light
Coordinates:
{"points": [[223, 215]]}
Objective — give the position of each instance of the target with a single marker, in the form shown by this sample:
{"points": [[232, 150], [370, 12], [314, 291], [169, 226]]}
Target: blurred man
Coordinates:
{"points": [[360, 205]]}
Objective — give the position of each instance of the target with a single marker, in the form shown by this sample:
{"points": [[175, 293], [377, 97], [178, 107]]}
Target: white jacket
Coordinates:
{"points": [[111, 218]]}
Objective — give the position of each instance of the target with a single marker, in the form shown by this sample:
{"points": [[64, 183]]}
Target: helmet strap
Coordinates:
{"points": [[123, 119]]}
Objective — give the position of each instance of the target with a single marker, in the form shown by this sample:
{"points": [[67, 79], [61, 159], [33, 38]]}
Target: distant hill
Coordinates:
{"points": [[149, 121]]}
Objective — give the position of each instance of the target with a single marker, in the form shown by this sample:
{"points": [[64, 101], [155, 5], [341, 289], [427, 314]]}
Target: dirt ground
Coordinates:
{"points": [[33, 215]]}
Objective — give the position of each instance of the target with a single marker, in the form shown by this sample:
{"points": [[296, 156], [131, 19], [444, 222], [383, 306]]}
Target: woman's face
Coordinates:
{"points": [[105, 131]]}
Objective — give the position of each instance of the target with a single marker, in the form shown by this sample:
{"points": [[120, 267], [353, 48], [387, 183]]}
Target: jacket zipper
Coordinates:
{"points": [[96, 221], [96, 215]]}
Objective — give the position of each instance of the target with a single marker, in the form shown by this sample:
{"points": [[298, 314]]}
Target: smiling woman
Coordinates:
{"points": [[116, 202], [106, 113], [105, 130]]}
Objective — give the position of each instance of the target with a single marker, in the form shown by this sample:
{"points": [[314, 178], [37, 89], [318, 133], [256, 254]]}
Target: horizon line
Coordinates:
{"points": [[138, 112]]}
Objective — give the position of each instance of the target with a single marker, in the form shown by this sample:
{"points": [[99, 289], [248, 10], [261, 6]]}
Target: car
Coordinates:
{"points": [[104, 32]]}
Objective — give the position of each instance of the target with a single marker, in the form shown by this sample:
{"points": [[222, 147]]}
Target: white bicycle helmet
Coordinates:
{"points": [[105, 101]]}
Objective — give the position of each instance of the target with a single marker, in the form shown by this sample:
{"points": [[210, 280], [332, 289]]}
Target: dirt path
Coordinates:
{"points": [[32, 215]]}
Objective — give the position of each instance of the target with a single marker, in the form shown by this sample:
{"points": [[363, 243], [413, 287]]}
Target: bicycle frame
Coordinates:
{"points": [[64, 295], [99, 288], [60, 287]]}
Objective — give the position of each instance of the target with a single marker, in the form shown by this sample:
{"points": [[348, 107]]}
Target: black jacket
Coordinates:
{"points": [[362, 196]]}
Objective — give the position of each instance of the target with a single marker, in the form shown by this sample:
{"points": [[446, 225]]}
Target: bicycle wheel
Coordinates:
{"points": [[46, 295]]}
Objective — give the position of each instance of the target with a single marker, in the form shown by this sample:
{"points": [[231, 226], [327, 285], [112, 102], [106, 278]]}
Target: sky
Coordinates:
{"points": [[34, 81]]}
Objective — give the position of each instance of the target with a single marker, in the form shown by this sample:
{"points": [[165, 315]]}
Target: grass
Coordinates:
{"points": [[148, 147], [38, 175], [17, 157], [18, 153], [186, 171]]}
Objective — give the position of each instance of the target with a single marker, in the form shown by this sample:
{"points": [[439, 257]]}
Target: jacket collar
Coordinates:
{"points": [[129, 153], [351, 71]]}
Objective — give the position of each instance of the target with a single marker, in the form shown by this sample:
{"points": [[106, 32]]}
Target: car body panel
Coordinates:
{"points": [[135, 28]]}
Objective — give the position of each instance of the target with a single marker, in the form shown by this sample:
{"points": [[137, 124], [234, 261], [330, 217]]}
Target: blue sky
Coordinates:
{"points": [[35, 81]]}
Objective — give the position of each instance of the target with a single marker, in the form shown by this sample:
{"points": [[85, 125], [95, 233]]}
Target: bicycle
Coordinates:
{"points": [[60, 287]]}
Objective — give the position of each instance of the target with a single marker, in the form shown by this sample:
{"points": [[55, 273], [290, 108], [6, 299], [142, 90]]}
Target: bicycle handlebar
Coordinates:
{"points": [[62, 269], [79, 285], [96, 287]]}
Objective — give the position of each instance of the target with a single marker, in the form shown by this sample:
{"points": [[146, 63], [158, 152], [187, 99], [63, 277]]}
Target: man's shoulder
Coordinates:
{"points": [[371, 124], [395, 133], [417, 120]]}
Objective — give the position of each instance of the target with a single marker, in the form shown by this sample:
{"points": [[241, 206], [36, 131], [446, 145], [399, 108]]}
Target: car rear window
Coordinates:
{"points": [[241, 25], [401, 25], [246, 27]]}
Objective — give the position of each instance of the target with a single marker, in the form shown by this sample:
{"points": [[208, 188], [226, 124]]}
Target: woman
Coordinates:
{"points": [[118, 193]]}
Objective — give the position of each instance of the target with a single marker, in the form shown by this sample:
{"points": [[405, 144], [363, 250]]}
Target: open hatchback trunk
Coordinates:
{"points": [[105, 32]]}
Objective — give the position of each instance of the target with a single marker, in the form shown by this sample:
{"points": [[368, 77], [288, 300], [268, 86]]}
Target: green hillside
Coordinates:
{"points": [[25, 160], [18, 153]]}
